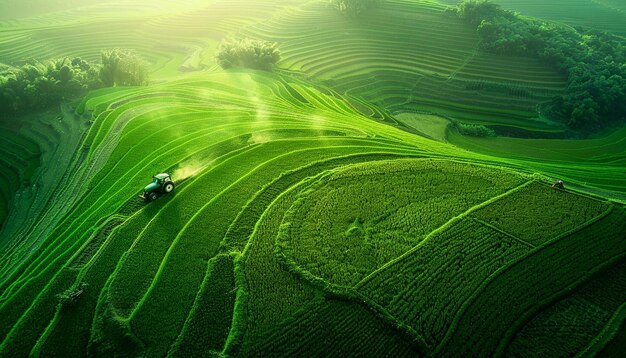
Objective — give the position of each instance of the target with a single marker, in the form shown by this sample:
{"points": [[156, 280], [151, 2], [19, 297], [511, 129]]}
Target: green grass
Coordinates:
{"points": [[427, 61], [339, 328], [19, 158], [430, 125], [538, 213], [597, 162], [580, 316], [355, 220], [316, 213], [488, 320], [450, 266]]}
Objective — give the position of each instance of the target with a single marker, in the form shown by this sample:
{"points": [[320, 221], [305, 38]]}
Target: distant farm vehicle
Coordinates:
{"points": [[559, 185], [161, 184]]}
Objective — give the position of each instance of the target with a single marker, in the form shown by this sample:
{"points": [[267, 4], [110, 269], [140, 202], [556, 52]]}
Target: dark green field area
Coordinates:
{"points": [[367, 183]]}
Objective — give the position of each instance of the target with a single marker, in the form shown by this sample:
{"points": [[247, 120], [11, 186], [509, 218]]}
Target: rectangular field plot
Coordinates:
{"points": [[427, 287], [538, 213]]}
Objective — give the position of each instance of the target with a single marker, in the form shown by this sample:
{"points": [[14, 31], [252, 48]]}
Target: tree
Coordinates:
{"points": [[593, 61], [475, 11], [248, 53], [355, 7], [123, 68]]}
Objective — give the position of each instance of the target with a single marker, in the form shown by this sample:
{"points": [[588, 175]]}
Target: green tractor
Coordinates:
{"points": [[161, 184]]}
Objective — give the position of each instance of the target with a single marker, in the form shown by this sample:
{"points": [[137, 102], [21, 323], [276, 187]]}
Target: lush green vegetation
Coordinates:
{"points": [[248, 53], [341, 232], [355, 7], [593, 61], [555, 212], [349, 195], [39, 85], [122, 68], [450, 265]]}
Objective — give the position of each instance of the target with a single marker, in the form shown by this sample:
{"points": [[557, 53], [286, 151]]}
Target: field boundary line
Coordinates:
{"points": [[510, 333], [40, 260], [28, 271], [241, 151], [608, 333], [388, 151], [510, 266], [479, 221], [239, 314], [209, 203], [82, 271], [55, 276], [445, 226]]}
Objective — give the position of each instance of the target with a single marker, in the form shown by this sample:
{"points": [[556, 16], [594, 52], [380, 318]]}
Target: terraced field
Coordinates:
{"points": [[19, 158], [427, 61], [156, 34], [307, 220], [608, 15], [598, 160]]}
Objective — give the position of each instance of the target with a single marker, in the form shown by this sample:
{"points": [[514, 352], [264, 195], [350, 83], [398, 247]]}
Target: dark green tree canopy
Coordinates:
{"points": [[248, 53], [123, 68], [355, 7], [41, 84], [594, 61]]}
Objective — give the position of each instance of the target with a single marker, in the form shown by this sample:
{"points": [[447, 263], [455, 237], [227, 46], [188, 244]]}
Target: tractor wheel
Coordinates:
{"points": [[169, 187], [153, 196]]}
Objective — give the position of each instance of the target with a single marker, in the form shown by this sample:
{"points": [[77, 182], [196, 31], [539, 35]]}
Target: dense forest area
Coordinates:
{"points": [[594, 61], [40, 84]]}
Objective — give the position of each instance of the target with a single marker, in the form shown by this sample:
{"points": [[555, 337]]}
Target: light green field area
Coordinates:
{"points": [[430, 125], [310, 217], [155, 33], [601, 160]]}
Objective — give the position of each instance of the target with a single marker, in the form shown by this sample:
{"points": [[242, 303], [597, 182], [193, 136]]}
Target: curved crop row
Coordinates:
{"points": [[572, 323], [487, 321], [358, 218], [428, 60], [426, 288]]}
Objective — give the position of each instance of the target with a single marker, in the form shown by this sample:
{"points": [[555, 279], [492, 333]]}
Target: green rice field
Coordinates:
{"points": [[330, 207]]}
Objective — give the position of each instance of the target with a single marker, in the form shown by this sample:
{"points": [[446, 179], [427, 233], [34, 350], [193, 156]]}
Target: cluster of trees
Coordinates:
{"points": [[41, 84], [248, 53], [123, 68], [355, 7], [594, 61], [473, 130]]}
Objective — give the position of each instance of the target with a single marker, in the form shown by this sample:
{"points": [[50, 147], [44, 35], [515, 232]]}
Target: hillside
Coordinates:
{"points": [[330, 207]]}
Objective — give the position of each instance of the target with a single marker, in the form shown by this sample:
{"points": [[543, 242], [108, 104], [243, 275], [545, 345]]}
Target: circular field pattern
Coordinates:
{"points": [[355, 219]]}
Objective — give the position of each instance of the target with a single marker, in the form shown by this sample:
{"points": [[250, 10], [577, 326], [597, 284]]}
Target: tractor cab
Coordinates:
{"points": [[161, 184]]}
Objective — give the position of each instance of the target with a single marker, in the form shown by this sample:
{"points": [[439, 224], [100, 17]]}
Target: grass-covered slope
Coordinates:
{"points": [[408, 55], [304, 221], [597, 161], [235, 133], [219, 263], [19, 158]]}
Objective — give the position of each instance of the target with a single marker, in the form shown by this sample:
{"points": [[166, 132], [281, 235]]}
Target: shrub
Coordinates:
{"points": [[123, 68], [355, 7], [248, 53], [474, 130]]}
